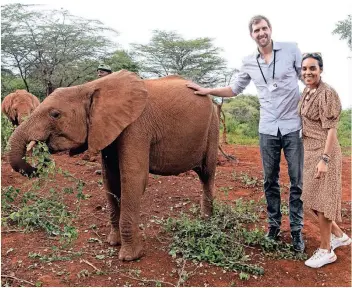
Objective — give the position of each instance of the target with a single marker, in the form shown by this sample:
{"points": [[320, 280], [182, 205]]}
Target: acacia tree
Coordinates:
{"points": [[168, 53], [344, 29], [52, 47], [121, 59]]}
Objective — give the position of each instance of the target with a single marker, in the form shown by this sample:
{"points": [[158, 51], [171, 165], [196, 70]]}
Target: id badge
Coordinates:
{"points": [[272, 87]]}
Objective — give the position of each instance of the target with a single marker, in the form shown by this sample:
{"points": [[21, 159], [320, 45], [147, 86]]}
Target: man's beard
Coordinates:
{"points": [[267, 42]]}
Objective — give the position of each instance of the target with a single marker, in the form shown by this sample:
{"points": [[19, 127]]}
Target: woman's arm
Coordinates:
{"points": [[322, 166], [332, 136]]}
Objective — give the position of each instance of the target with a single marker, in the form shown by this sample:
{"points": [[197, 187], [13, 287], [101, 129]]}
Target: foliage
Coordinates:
{"points": [[344, 128], [10, 83], [51, 47], [41, 159], [121, 59], [222, 239], [6, 130], [30, 210], [344, 29], [242, 115], [168, 53], [242, 120]]}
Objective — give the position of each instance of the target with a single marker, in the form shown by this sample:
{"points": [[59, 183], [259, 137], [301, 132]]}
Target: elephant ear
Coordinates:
{"points": [[35, 102], [6, 106], [118, 100]]}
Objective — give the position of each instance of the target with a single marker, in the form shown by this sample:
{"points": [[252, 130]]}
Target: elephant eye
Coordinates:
{"points": [[55, 114]]}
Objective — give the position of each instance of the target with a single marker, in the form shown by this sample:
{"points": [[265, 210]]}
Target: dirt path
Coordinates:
{"points": [[165, 196]]}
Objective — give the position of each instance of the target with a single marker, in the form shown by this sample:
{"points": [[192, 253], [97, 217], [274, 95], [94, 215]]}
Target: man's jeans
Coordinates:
{"points": [[270, 149]]}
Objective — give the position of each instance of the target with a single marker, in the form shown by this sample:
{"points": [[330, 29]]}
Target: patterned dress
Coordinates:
{"points": [[320, 110]]}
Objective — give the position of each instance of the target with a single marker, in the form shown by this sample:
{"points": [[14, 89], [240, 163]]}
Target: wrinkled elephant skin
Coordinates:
{"points": [[140, 126]]}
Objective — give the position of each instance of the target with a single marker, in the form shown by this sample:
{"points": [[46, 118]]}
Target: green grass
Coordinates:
{"points": [[238, 139]]}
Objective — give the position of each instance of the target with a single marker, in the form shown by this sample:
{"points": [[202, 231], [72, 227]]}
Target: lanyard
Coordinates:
{"points": [[262, 71]]}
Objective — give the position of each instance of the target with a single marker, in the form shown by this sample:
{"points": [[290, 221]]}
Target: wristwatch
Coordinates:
{"points": [[325, 158]]}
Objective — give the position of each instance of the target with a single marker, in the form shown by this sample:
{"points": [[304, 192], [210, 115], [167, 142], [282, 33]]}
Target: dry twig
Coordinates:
{"points": [[18, 279], [145, 280], [180, 279], [90, 264]]}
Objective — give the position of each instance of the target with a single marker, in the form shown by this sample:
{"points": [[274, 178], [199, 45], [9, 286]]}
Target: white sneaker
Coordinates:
{"points": [[342, 241], [320, 258]]}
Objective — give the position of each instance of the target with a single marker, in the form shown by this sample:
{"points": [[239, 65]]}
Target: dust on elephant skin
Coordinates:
{"points": [[139, 126]]}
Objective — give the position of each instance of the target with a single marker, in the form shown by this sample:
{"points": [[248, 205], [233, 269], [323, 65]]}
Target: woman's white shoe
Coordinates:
{"points": [[342, 241], [320, 258]]}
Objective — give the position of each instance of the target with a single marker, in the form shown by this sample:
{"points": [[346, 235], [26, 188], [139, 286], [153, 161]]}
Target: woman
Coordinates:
{"points": [[320, 111]]}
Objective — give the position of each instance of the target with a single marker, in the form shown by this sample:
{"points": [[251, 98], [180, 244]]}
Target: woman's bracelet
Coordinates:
{"points": [[325, 158]]}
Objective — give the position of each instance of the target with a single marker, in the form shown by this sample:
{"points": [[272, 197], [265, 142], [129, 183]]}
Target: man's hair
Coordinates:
{"points": [[104, 67], [256, 19]]}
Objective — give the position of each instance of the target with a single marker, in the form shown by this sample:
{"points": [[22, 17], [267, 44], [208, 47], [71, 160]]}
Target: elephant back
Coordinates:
{"points": [[169, 95]]}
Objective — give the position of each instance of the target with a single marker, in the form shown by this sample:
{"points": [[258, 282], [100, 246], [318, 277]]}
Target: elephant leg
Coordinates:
{"points": [[111, 178], [134, 164], [206, 173]]}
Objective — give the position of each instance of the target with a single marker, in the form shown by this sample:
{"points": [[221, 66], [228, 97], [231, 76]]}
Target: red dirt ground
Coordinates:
{"points": [[179, 192]]}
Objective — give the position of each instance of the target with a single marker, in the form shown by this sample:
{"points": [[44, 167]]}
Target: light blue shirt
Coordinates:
{"points": [[278, 109]]}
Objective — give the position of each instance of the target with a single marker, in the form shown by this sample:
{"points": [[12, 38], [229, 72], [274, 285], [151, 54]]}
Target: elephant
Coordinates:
{"points": [[19, 105], [139, 126]]}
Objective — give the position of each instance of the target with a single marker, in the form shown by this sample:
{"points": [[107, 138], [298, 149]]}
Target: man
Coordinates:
{"points": [[275, 69], [103, 70]]}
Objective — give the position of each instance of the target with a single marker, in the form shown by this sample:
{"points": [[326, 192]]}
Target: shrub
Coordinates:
{"points": [[223, 239], [6, 130]]}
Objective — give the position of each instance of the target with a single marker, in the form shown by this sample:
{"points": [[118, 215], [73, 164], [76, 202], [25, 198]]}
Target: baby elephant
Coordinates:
{"points": [[139, 126], [17, 106]]}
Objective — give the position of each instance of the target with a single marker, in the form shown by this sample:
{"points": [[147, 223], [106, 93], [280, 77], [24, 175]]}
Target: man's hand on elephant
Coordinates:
{"points": [[199, 90]]}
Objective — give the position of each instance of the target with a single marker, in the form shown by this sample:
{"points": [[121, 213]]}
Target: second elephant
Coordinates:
{"points": [[19, 105]]}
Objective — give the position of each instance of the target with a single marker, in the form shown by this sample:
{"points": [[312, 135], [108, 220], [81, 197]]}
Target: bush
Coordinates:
{"points": [[223, 239], [6, 131], [33, 209], [242, 121], [344, 128]]}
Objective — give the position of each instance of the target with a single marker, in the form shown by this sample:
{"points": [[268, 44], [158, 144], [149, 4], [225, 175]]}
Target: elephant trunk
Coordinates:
{"points": [[17, 143]]}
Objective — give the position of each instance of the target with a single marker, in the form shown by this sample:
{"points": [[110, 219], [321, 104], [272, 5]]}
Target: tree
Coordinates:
{"points": [[9, 83], [121, 59], [52, 47], [243, 112], [344, 29], [168, 53]]}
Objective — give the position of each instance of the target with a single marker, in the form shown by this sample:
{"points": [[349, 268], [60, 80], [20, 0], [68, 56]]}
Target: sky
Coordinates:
{"points": [[309, 23]]}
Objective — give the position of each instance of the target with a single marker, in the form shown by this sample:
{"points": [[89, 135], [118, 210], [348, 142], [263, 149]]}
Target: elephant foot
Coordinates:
{"points": [[206, 207], [129, 253], [205, 215], [114, 237], [206, 212]]}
